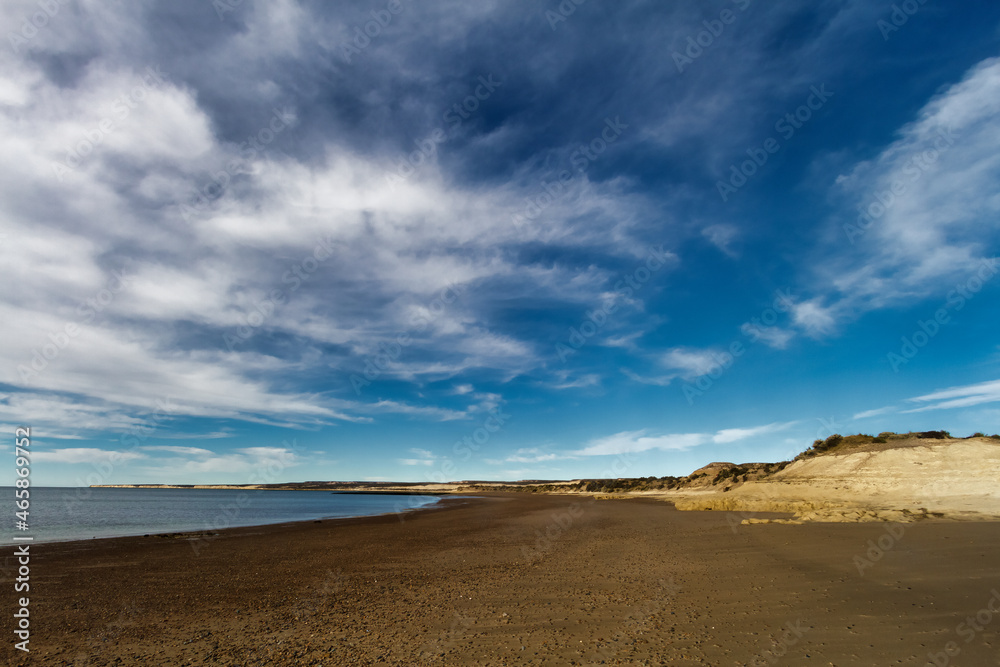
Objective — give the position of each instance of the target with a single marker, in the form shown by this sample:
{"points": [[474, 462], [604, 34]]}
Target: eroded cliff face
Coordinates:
{"points": [[903, 481]]}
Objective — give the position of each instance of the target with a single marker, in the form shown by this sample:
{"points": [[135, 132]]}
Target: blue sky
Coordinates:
{"points": [[248, 241]]}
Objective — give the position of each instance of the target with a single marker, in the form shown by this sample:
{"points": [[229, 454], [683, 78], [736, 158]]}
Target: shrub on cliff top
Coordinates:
{"points": [[828, 444]]}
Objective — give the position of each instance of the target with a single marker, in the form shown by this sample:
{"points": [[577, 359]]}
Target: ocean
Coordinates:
{"points": [[58, 514]]}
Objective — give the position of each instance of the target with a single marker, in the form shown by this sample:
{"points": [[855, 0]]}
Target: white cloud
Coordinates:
{"points": [[84, 455], [736, 434], [213, 435], [254, 464], [626, 341], [692, 362], [774, 337], [958, 397], [875, 413], [816, 319], [195, 280], [531, 455], [189, 451], [722, 237], [583, 381], [943, 218], [660, 381], [397, 407], [424, 458], [640, 441], [63, 417]]}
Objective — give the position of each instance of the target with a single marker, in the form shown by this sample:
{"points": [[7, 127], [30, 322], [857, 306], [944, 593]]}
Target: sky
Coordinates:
{"points": [[281, 241]]}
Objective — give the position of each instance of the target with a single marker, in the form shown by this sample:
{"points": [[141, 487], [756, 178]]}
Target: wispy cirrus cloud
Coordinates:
{"points": [[642, 440], [170, 449], [85, 455], [724, 237], [923, 211], [531, 455], [889, 409], [690, 362], [659, 380], [958, 397], [422, 457]]}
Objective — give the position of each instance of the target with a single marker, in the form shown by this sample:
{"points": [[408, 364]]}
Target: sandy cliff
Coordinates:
{"points": [[900, 481]]}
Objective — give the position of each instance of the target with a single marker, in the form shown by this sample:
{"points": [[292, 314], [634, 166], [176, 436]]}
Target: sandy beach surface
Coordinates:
{"points": [[523, 579]]}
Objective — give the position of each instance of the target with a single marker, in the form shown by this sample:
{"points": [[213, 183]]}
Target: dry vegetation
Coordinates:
{"points": [[727, 474], [839, 444]]}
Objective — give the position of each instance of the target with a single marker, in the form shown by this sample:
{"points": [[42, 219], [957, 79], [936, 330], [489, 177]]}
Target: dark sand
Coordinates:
{"points": [[624, 582]]}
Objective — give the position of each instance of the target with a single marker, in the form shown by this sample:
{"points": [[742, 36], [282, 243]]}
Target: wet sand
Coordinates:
{"points": [[479, 582]]}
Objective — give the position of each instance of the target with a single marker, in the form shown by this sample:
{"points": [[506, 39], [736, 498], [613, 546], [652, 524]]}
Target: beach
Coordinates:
{"points": [[520, 579]]}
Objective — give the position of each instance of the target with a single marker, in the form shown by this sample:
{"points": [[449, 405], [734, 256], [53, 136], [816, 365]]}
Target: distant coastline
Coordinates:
{"points": [[291, 486], [889, 477], [386, 488]]}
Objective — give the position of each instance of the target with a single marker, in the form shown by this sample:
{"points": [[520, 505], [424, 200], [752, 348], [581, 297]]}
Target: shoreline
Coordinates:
{"points": [[186, 534], [512, 579], [254, 529]]}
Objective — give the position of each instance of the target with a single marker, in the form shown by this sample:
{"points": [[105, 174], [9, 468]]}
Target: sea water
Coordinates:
{"points": [[58, 514]]}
